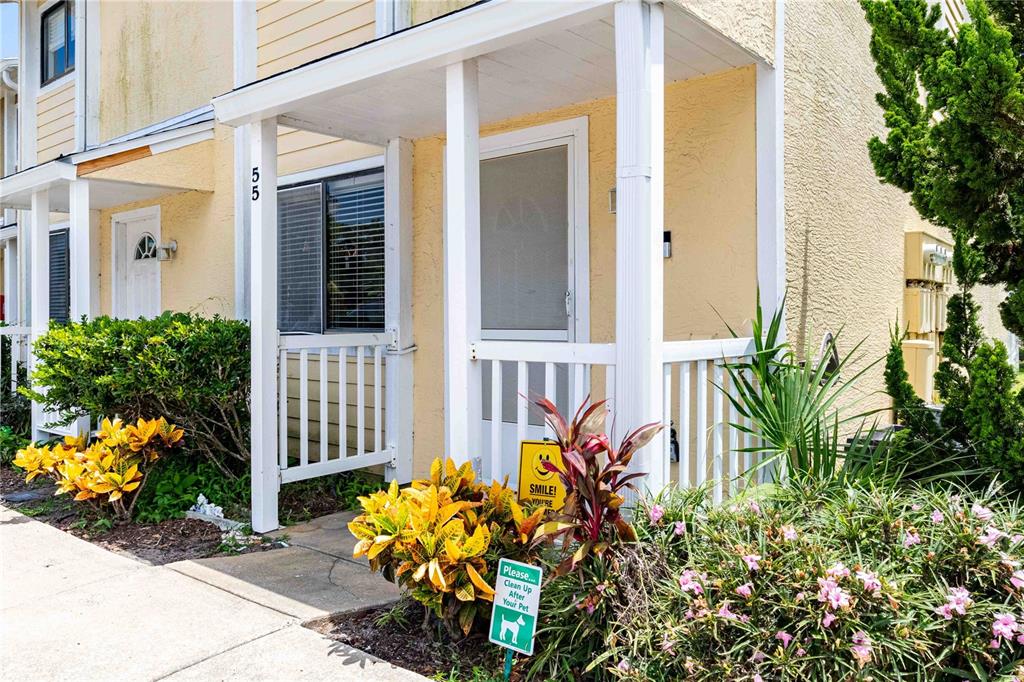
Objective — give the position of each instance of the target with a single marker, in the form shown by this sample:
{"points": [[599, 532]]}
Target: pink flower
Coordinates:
{"points": [[1004, 625], [784, 637], [801, 651], [754, 507], [1020, 639], [757, 678], [745, 590], [911, 539], [871, 582], [655, 513], [834, 596], [1017, 579], [993, 644], [991, 536], [757, 656], [680, 528], [838, 571], [915, 507], [957, 601], [751, 561], [938, 516], [861, 648], [688, 582], [666, 644], [725, 612], [1016, 538], [828, 619], [623, 665], [980, 512], [788, 533]]}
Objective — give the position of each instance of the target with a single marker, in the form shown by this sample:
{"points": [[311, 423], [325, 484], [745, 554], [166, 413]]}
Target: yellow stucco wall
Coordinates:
{"points": [[709, 206], [200, 278], [55, 122], [293, 32], [160, 59]]}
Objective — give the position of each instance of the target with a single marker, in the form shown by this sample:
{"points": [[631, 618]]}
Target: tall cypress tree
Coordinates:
{"points": [[958, 149]]}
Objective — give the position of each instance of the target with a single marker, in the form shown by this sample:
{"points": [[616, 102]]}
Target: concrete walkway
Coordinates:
{"points": [[72, 611]]}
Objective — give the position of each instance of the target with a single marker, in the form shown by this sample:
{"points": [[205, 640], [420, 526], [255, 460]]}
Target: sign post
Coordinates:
{"points": [[515, 609]]}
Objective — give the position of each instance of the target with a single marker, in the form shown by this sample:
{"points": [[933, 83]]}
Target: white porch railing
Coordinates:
{"points": [[331, 404], [17, 353], [564, 372], [709, 448]]}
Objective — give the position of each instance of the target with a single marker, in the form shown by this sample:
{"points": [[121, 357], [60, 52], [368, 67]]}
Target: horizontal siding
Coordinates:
{"points": [[301, 150], [55, 123], [293, 32]]}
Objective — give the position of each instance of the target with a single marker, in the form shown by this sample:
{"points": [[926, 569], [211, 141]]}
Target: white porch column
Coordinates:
{"points": [[84, 242], [771, 215], [398, 412], [639, 219], [262, 176], [462, 406], [39, 286]]}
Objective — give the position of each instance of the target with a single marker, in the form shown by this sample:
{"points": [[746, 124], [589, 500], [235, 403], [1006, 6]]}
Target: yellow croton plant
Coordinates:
{"points": [[106, 470], [437, 538]]}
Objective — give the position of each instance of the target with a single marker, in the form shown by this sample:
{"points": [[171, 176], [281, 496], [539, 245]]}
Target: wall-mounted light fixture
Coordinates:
{"points": [[666, 241], [167, 251], [611, 200]]}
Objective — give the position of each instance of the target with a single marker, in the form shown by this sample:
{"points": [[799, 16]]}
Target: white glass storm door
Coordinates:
{"points": [[533, 270], [137, 269]]}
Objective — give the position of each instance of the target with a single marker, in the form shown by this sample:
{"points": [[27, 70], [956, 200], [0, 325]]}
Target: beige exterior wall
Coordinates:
{"points": [[844, 229], [160, 59], [200, 278], [55, 122], [301, 150], [425, 10], [293, 32], [709, 206], [750, 23]]}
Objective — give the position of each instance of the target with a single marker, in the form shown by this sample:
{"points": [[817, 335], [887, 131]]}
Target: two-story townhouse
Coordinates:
{"points": [[431, 209]]}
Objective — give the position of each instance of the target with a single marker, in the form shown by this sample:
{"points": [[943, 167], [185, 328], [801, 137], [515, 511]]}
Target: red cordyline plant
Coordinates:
{"points": [[594, 475]]}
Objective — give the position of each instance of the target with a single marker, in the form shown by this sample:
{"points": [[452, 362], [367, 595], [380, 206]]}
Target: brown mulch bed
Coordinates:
{"points": [[154, 543], [408, 646]]}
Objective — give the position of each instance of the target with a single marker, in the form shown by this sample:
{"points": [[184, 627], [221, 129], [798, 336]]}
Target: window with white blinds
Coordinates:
{"points": [[331, 255]]}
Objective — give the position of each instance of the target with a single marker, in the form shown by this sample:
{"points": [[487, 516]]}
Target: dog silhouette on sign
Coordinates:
{"points": [[512, 627]]}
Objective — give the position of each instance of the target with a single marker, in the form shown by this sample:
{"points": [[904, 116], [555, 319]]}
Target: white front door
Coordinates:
{"points": [[137, 236], [532, 246]]}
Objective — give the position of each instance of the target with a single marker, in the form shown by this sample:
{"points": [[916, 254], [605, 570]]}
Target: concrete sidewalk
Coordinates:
{"points": [[72, 611]]}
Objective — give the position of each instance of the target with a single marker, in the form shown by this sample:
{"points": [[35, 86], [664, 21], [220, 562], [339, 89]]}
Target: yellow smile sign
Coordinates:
{"points": [[536, 483]]}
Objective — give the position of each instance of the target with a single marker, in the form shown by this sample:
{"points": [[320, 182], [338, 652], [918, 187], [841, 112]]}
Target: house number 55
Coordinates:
{"points": [[255, 183]]}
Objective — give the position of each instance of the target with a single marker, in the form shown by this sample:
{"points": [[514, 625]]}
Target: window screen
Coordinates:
{"points": [[58, 41], [524, 240], [331, 255], [60, 277], [355, 254], [300, 244]]}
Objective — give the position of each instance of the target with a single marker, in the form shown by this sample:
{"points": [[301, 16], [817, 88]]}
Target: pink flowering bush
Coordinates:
{"points": [[828, 583]]}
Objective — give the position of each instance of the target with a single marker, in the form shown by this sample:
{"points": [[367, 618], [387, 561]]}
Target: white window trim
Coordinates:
{"points": [[575, 133], [315, 174], [119, 252], [65, 78]]}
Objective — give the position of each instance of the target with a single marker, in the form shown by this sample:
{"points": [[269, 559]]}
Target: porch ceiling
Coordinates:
{"points": [[564, 54]]}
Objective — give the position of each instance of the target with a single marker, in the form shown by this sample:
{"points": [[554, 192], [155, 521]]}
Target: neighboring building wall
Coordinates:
{"points": [[844, 228], [750, 23], [160, 59], [55, 122], [293, 32], [200, 278], [709, 206]]}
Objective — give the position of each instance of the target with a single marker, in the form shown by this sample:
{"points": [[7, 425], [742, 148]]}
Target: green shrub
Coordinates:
{"points": [[175, 485], [824, 582], [10, 443], [960, 343], [994, 418], [193, 370], [16, 411]]}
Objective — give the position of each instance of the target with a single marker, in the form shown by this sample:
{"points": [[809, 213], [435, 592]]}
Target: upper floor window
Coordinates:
{"points": [[57, 39]]}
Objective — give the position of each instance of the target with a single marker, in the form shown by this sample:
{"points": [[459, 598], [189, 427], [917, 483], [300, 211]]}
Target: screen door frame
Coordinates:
{"points": [[572, 134]]}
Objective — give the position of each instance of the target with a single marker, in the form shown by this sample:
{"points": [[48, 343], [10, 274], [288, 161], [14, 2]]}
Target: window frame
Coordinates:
{"points": [[343, 172], [69, 59]]}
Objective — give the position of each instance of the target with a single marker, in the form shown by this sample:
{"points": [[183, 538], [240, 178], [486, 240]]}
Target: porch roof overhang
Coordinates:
{"points": [[532, 57], [55, 176]]}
